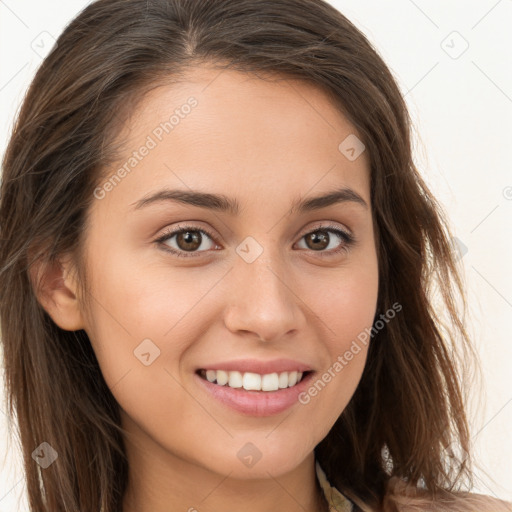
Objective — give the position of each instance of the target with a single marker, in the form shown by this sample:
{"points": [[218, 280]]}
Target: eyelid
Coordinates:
{"points": [[326, 225], [347, 236], [170, 232], [349, 240]]}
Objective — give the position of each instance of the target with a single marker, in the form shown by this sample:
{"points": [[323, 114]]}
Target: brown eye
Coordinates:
{"points": [[328, 240], [317, 240], [186, 241]]}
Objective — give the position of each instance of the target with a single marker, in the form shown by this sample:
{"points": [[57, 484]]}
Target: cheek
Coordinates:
{"points": [[140, 330], [145, 299], [346, 307], [346, 303], [141, 308]]}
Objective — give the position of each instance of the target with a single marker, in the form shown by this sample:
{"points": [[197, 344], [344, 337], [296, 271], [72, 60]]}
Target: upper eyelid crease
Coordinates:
{"points": [[348, 238], [222, 203], [181, 227]]}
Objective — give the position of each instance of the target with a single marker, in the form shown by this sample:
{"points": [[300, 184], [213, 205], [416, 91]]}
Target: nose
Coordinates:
{"points": [[263, 301]]}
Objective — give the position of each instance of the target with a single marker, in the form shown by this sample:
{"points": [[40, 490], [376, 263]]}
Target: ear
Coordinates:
{"points": [[55, 287]]}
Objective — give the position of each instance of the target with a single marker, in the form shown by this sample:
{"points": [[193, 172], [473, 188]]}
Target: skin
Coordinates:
{"points": [[264, 143]]}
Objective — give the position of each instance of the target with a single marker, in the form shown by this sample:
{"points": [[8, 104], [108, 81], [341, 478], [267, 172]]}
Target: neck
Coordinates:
{"points": [[160, 481]]}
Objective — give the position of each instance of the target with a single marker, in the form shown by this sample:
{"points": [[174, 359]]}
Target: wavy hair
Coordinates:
{"points": [[402, 443]]}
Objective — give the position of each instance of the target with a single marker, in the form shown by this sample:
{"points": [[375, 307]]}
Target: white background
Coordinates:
{"points": [[461, 104]]}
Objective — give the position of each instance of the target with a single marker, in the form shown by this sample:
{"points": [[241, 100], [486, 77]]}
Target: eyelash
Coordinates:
{"points": [[347, 238]]}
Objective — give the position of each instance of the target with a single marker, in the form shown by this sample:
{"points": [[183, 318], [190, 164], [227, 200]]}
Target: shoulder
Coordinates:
{"points": [[406, 501], [467, 503], [402, 498]]}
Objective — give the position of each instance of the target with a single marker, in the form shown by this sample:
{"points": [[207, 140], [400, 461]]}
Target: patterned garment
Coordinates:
{"points": [[337, 502]]}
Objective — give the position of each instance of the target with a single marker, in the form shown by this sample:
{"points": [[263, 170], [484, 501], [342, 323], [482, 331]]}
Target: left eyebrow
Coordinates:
{"points": [[342, 195], [223, 203]]}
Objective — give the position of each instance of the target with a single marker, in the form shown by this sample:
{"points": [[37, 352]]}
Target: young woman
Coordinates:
{"points": [[217, 261]]}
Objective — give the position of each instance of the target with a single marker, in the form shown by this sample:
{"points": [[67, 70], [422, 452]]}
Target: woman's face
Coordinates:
{"points": [[268, 287]]}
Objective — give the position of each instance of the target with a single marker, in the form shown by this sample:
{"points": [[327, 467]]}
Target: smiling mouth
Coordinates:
{"points": [[248, 381]]}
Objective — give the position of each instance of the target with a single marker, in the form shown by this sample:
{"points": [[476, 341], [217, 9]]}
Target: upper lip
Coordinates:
{"points": [[259, 366]]}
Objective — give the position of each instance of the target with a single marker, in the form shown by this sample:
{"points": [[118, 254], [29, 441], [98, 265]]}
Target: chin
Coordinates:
{"points": [[253, 462]]}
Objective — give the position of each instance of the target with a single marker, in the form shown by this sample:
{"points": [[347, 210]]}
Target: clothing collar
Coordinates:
{"points": [[337, 502]]}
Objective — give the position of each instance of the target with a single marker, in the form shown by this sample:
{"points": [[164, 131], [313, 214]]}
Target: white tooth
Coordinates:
{"points": [[252, 381], [222, 377], [283, 380], [235, 380], [292, 379], [270, 382]]}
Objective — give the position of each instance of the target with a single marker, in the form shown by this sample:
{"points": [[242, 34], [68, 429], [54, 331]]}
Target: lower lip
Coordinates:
{"points": [[256, 403]]}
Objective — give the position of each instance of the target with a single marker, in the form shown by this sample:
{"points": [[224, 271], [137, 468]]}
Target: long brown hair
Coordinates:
{"points": [[407, 414]]}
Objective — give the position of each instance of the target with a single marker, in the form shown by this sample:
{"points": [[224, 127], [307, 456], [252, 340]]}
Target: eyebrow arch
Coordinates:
{"points": [[223, 203]]}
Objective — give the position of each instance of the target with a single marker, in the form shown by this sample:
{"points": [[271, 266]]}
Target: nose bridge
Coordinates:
{"points": [[263, 300]]}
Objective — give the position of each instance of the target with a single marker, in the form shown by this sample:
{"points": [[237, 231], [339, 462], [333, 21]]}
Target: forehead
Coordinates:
{"points": [[224, 129]]}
